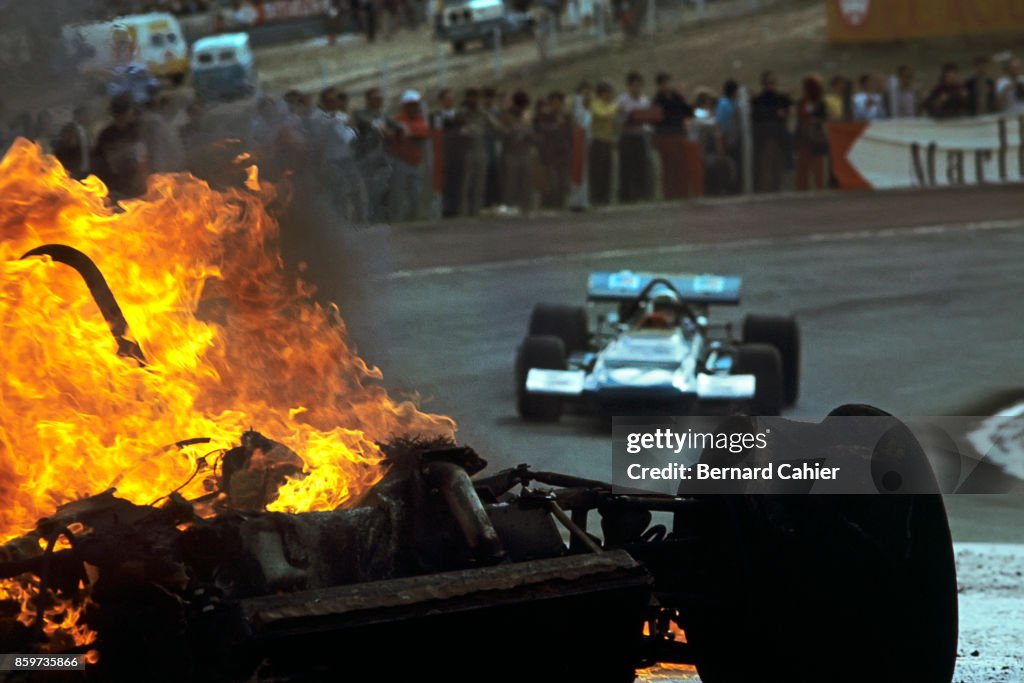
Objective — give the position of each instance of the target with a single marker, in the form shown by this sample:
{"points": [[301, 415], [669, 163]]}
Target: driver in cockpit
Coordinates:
{"points": [[664, 309]]}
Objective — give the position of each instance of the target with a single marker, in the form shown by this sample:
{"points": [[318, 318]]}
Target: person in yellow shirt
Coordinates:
{"points": [[604, 136], [837, 99]]}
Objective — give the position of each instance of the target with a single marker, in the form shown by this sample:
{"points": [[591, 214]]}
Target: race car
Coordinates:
{"points": [[644, 345]]}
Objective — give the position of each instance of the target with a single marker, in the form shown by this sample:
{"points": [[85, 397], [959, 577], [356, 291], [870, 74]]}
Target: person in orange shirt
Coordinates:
{"points": [[406, 150]]}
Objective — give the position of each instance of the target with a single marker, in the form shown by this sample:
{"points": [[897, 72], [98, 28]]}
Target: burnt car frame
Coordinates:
{"points": [[568, 578]]}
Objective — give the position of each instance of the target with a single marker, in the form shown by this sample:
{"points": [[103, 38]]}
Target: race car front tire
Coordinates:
{"points": [[546, 352], [568, 323], [764, 362], [783, 333]]}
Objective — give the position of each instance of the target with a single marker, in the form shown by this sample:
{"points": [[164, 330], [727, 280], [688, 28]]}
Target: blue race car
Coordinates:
{"points": [[644, 345]]}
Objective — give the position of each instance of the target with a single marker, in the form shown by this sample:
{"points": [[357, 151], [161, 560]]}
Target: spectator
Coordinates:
{"points": [[579, 199], [375, 130], [476, 125], [243, 16], [602, 145], [728, 117], [838, 99], [264, 135], [554, 135], [633, 113], [446, 119], [769, 113], [811, 138], [262, 129], [406, 149], [981, 88], [340, 170], [719, 173], [489, 104], [517, 143], [868, 101], [948, 98], [669, 136], [74, 143], [163, 144], [120, 155], [904, 100], [1010, 88]]}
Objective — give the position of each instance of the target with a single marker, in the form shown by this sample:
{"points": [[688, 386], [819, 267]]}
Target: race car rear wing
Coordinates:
{"points": [[626, 285]]}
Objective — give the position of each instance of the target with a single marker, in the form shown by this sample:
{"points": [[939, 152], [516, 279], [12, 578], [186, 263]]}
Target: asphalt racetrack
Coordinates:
{"points": [[910, 301]]}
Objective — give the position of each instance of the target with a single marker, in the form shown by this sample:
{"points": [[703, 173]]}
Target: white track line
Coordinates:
{"points": [[937, 229]]}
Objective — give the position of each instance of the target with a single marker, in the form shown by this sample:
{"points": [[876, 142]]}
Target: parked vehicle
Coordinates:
{"points": [[153, 40], [223, 67], [463, 21]]}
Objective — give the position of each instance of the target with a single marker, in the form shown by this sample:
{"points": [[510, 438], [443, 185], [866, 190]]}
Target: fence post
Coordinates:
{"points": [[442, 64], [499, 66], [385, 79], [649, 23]]}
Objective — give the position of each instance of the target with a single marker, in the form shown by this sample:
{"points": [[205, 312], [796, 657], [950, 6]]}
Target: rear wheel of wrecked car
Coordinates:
{"points": [[839, 588], [764, 363], [548, 353], [783, 333], [568, 323]]}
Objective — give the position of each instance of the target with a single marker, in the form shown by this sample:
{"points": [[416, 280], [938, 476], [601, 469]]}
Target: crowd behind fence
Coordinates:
{"points": [[483, 150]]}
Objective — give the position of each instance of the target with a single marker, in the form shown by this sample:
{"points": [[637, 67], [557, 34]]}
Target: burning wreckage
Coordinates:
{"points": [[313, 558]]}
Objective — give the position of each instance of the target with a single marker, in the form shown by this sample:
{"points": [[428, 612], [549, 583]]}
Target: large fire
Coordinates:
{"points": [[229, 341]]}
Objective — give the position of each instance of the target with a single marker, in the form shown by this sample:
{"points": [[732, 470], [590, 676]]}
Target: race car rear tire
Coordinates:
{"points": [[568, 323], [764, 362], [783, 333], [546, 352], [839, 588]]}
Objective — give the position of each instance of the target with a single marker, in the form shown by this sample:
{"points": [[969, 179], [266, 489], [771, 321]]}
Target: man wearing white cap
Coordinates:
{"points": [[406, 148]]}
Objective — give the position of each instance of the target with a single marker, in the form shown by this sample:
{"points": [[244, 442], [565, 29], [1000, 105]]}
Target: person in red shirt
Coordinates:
{"points": [[811, 138], [407, 149], [948, 99]]}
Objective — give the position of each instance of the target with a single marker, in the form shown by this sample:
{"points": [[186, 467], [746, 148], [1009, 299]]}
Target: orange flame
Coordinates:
{"points": [[229, 344]]}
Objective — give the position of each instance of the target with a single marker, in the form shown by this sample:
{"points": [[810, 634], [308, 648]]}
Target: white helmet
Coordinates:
{"points": [[664, 299]]}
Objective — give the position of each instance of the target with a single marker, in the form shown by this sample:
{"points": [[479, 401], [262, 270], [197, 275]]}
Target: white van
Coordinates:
{"points": [[223, 67], [152, 40]]}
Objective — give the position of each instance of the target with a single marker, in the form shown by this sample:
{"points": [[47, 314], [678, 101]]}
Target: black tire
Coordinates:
{"points": [[177, 80], [838, 588], [783, 333], [568, 323], [548, 353], [459, 46], [765, 363]]}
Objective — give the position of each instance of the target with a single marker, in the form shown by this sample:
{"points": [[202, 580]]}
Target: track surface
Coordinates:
{"points": [[910, 301]]}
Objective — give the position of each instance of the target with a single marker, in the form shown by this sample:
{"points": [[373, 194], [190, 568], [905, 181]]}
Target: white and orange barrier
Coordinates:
{"points": [[927, 152]]}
